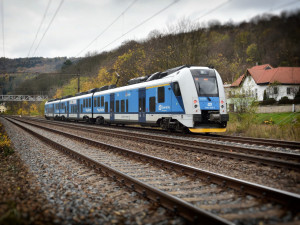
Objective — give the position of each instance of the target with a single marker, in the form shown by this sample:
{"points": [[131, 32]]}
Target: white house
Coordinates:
{"points": [[276, 82], [2, 109]]}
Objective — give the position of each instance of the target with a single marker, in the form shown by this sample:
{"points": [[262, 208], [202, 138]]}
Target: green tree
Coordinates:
{"points": [[252, 53]]}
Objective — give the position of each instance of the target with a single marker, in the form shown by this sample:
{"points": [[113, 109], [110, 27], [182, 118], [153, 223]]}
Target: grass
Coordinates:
{"points": [[277, 118], [5, 143], [284, 126]]}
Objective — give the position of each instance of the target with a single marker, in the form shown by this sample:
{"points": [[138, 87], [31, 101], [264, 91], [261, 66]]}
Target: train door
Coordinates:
{"points": [[52, 111], [68, 109], [112, 107], [77, 108], [142, 105]]}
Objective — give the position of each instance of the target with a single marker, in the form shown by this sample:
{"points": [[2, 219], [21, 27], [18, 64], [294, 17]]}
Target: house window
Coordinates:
{"points": [[256, 93], [275, 90], [161, 94], [288, 91]]}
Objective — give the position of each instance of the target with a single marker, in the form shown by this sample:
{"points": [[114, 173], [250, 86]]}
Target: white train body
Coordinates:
{"points": [[184, 98]]}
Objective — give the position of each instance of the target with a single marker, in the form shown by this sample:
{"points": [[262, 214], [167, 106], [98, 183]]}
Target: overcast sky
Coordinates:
{"points": [[78, 22]]}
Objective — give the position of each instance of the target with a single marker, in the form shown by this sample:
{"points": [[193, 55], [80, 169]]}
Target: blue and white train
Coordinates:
{"points": [[186, 98]]}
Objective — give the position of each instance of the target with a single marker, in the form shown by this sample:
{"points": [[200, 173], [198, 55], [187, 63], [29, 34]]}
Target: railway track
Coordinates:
{"points": [[236, 139], [198, 195], [252, 155]]}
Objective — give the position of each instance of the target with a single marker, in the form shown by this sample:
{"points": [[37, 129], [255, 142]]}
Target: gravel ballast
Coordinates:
{"points": [[71, 193]]}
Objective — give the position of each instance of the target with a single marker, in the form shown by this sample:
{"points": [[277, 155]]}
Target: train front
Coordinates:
{"points": [[205, 100]]}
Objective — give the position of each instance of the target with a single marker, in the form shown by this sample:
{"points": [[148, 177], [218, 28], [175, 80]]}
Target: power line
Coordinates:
{"points": [[2, 21], [214, 9], [107, 27], [44, 16], [60, 4], [157, 13], [284, 5]]}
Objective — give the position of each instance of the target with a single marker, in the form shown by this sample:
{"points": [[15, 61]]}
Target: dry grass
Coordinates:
{"points": [[272, 131]]}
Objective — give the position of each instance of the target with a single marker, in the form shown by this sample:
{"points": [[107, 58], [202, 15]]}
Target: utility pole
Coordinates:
{"points": [[78, 81]]}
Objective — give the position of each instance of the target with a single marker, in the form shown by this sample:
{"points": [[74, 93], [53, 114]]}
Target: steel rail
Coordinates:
{"points": [[236, 139], [172, 203], [291, 200], [206, 148]]}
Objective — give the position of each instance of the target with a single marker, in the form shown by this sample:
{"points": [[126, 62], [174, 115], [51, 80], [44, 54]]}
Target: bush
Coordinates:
{"points": [[285, 100], [269, 101], [296, 101], [5, 144]]}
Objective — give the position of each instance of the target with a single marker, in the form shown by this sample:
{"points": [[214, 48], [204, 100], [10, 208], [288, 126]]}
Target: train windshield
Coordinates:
{"points": [[206, 82]]}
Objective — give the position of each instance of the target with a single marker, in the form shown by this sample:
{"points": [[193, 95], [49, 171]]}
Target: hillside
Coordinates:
{"points": [[230, 48], [33, 65]]}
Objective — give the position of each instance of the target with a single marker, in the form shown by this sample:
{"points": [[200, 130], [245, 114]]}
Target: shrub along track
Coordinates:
{"points": [[186, 190], [252, 155]]}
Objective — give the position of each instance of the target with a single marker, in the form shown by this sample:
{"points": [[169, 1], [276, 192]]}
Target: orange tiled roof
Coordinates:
{"points": [[265, 74]]}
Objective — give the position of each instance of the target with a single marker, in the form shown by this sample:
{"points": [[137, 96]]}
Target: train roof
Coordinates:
{"points": [[147, 81]]}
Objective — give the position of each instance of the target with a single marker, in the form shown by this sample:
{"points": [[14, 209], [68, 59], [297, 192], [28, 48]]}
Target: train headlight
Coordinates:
{"points": [[196, 106]]}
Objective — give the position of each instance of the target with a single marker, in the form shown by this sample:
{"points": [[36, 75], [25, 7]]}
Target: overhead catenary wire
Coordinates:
{"points": [[2, 23], [284, 5], [58, 8], [36, 35], [140, 24], [212, 10], [112, 23]]}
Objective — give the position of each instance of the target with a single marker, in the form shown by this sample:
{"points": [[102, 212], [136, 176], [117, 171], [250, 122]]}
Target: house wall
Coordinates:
{"points": [[278, 108], [251, 89], [2, 108], [282, 91]]}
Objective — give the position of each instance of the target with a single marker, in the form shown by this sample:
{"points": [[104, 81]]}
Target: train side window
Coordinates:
{"points": [[161, 94], [102, 101], [81, 109], [95, 102], [126, 105], [90, 102], [83, 103], [122, 105], [117, 106], [152, 104], [106, 106], [176, 89]]}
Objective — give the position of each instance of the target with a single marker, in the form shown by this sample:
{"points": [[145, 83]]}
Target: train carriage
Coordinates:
{"points": [[183, 98]]}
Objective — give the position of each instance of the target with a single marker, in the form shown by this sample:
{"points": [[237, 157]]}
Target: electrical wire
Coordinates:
{"points": [[107, 27], [44, 16], [2, 22], [140, 24], [214, 9], [284, 5], [59, 6]]}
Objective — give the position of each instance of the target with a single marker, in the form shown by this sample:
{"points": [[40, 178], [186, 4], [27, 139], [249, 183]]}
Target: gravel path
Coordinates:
{"points": [[78, 195], [265, 175]]}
